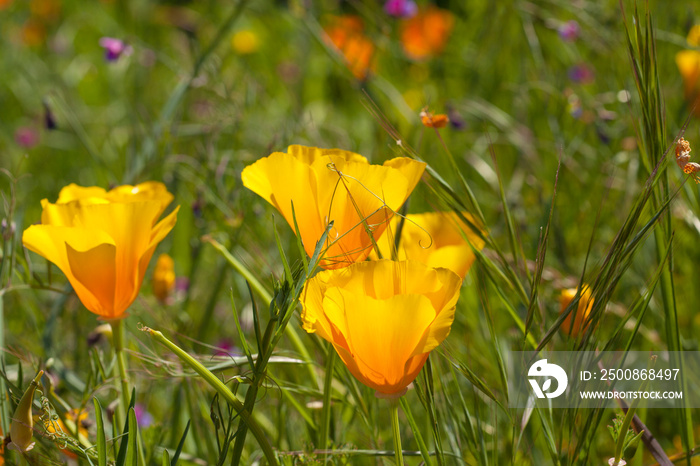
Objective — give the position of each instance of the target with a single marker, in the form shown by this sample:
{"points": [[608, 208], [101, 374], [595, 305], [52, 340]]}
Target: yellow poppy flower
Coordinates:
{"points": [[163, 277], [103, 240], [435, 239], [334, 185], [688, 62], [585, 304], [383, 317]]}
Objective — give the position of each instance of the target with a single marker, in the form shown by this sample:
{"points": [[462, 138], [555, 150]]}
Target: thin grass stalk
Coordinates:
{"points": [[416, 432], [326, 411], [223, 390], [654, 126], [265, 295]]}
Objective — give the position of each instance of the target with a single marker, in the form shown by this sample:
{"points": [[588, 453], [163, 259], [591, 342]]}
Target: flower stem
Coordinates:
{"points": [[398, 450], [118, 342], [125, 392]]}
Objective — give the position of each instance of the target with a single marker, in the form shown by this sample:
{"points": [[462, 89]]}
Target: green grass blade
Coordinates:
{"points": [[180, 445], [101, 440], [132, 450]]}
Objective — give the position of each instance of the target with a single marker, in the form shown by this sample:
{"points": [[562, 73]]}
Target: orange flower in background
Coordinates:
{"points": [[333, 185], [585, 304], [410, 307], [103, 240], [33, 33], [425, 34], [47, 10], [163, 281], [430, 120], [688, 62], [4, 4], [435, 239], [346, 33]]}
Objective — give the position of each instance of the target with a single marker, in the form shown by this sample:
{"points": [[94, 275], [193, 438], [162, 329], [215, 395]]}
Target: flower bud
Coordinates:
{"points": [[22, 424]]}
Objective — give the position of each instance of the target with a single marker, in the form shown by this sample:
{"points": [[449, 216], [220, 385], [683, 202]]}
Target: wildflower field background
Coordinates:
{"points": [[557, 161]]}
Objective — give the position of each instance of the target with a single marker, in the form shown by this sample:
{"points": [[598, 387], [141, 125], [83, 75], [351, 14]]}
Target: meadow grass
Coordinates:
{"points": [[561, 152]]}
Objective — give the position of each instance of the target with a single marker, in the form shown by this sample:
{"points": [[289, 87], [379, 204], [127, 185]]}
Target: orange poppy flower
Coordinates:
{"points": [[334, 185], [103, 240], [435, 239], [382, 317], [585, 304], [346, 33], [430, 120], [425, 35]]}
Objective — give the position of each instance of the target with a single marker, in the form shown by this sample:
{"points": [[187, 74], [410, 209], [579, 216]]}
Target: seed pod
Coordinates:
{"points": [[22, 425]]}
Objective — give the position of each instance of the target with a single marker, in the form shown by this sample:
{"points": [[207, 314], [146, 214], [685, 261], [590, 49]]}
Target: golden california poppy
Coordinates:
{"points": [[77, 418], [435, 239], [585, 304], [688, 62], [410, 307], [163, 281], [333, 185], [346, 33], [425, 34], [103, 240]]}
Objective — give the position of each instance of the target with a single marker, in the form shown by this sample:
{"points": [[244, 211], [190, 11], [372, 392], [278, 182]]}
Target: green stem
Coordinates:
{"points": [[252, 393], [4, 411], [398, 450], [118, 343], [125, 392], [223, 391], [261, 291]]}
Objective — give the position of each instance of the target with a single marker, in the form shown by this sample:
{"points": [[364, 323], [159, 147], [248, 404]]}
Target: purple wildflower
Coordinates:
{"points": [[581, 73], [226, 347], [114, 48], [143, 417], [26, 137], [400, 8], [569, 31], [456, 120]]}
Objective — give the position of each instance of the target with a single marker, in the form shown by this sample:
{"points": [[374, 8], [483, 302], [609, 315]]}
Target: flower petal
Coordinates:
{"points": [[54, 244], [73, 192], [95, 269], [280, 179], [435, 239], [412, 169], [382, 349]]}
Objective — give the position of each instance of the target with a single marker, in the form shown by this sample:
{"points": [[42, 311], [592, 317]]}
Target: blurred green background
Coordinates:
{"points": [[205, 88]]}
